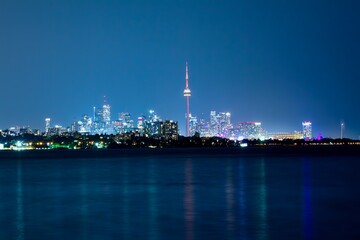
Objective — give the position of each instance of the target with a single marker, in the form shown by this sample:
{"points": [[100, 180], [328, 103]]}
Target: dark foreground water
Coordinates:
{"points": [[180, 197]]}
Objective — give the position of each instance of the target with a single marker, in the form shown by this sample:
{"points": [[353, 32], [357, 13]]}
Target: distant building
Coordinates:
{"points": [[47, 124], [203, 127], [187, 95], [56, 131], [141, 124], [250, 130], [194, 126], [106, 113], [307, 130], [220, 124], [286, 135], [102, 120], [26, 130], [169, 130], [124, 123], [214, 124]]}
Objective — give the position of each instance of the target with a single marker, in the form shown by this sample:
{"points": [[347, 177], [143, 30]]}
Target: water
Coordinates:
{"points": [[180, 197]]}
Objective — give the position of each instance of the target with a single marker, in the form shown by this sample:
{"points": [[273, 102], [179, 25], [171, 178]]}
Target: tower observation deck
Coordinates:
{"points": [[187, 95]]}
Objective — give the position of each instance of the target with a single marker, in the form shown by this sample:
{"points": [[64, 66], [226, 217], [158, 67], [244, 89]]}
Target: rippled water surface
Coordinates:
{"points": [[180, 197]]}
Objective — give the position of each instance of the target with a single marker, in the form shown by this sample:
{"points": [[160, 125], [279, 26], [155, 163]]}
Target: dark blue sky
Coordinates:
{"points": [[278, 62]]}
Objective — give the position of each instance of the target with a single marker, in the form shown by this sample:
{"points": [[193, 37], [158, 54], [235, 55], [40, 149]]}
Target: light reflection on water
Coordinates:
{"points": [[84, 204], [307, 200], [230, 211], [176, 198], [262, 203], [242, 201], [153, 205], [189, 200], [19, 203], [125, 201]]}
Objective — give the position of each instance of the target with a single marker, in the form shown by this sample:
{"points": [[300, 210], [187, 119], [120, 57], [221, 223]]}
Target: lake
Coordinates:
{"points": [[180, 196]]}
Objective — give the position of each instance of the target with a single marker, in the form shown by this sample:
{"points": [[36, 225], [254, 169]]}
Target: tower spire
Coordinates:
{"points": [[187, 95], [187, 76]]}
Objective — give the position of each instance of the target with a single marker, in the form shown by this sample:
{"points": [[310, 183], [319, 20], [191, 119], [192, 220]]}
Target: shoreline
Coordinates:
{"points": [[187, 152]]}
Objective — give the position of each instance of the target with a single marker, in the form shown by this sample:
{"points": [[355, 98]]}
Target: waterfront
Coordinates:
{"points": [[180, 196]]}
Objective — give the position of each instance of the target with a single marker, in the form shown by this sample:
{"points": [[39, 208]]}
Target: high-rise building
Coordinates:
{"points": [[187, 95], [169, 130], [214, 124], [220, 123], [152, 125], [99, 115], [228, 120], [106, 113], [307, 130], [47, 124], [342, 127], [124, 123], [194, 127], [250, 130], [141, 124], [153, 117]]}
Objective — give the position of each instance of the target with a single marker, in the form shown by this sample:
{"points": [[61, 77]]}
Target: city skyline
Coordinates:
{"points": [[278, 63]]}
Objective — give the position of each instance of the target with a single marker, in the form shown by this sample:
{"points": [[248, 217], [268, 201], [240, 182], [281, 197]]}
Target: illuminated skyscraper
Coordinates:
{"points": [[141, 123], [214, 124], [106, 113], [193, 125], [250, 130], [47, 124], [342, 127], [307, 130], [187, 95], [169, 130]]}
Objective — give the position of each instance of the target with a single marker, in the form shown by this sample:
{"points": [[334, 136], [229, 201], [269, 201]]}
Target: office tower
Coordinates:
{"points": [[99, 116], [214, 124], [152, 125], [125, 123], [47, 124], [106, 113], [228, 120], [342, 127], [250, 130], [85, 124], [94, 115], [153, 117], [169, 130], [187, 95], [307, 130], [194, 127], [141, 124]]}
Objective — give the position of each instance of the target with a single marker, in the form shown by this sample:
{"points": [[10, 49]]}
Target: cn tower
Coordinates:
{"points": [[187, 95]]}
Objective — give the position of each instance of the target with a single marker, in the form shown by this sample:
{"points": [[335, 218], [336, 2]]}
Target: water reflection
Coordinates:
{"points": [[262, 232], [84, 203], [242, 199], [125, 201], [19, 203], [151, 198], [153, 206], [189, 200], [307, 209], [229, 189]]}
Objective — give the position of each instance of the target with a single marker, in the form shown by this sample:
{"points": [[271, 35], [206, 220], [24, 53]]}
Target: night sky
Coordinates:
{"points": [[278, 62]]}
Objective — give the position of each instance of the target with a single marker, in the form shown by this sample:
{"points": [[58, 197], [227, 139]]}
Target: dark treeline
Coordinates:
{"points": [[134, 140]]}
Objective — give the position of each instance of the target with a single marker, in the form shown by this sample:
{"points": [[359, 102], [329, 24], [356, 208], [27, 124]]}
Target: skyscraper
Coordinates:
{"points": [[307, 130], [106, 113], [342, 127], [250, 130], [187, 95], [169, 130], [47, 124]]}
